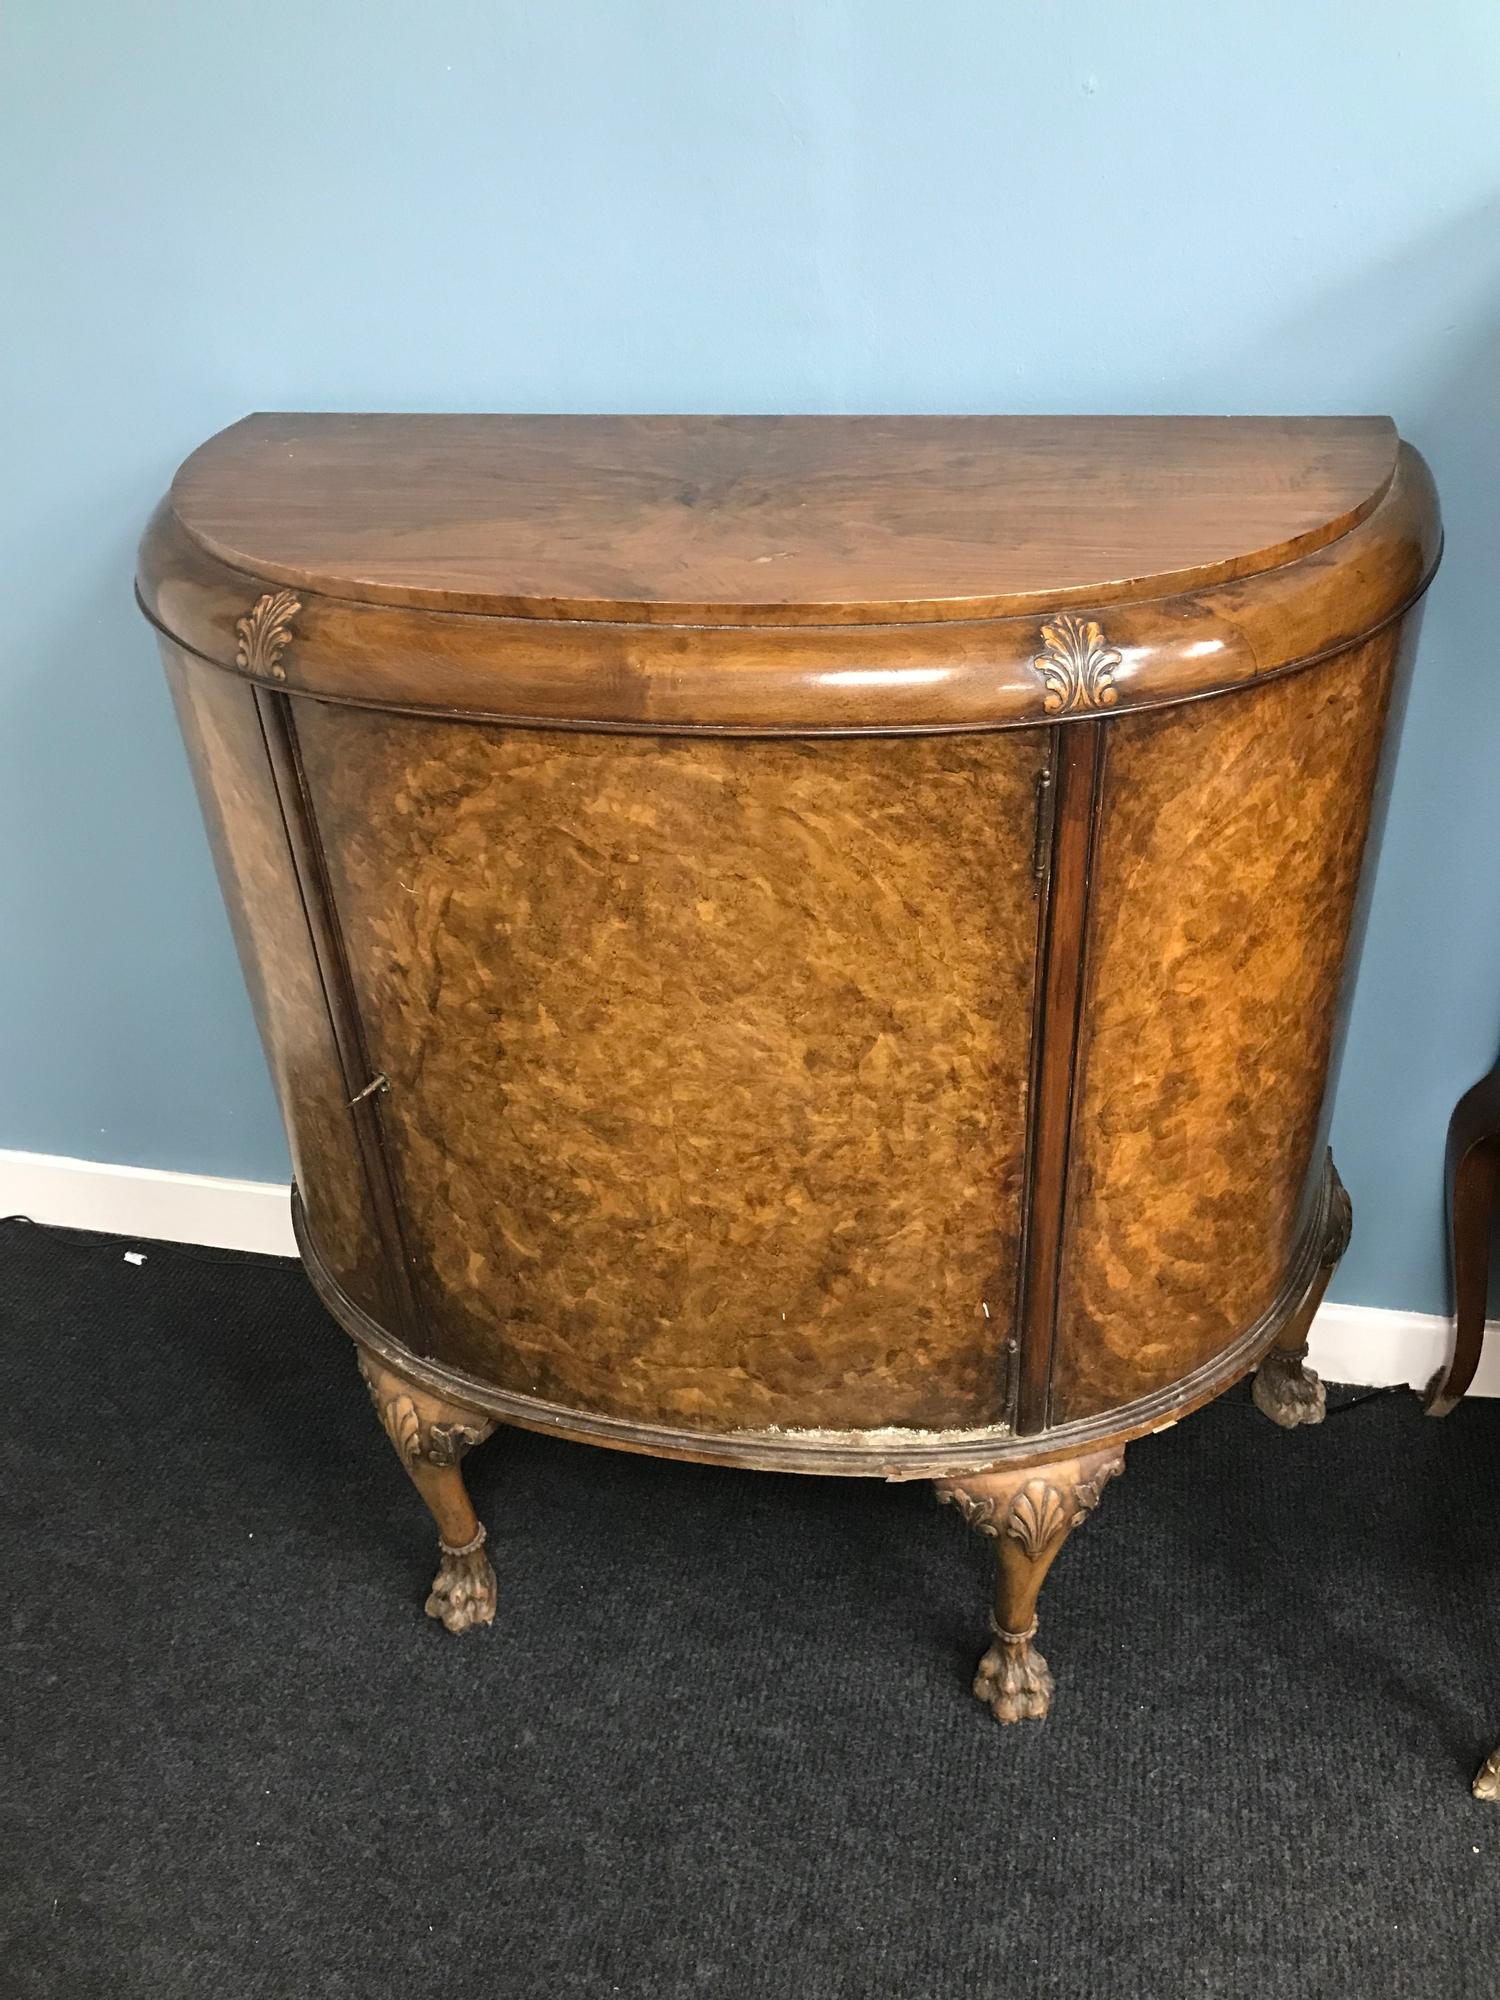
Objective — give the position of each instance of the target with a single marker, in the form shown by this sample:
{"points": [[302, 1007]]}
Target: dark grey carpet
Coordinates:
{"points": [[720, 1740]]}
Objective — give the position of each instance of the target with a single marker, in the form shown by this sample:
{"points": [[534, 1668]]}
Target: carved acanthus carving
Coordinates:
{"points": [[978, 1509], [1087, 1492], [1340, 1218], [1038, 1514], [437, 1443], [1076, 666], [265, 633]]}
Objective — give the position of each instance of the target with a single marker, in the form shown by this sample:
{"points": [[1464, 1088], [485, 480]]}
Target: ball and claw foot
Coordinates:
{"points": [[463, 1591], [1287, 1391], [1487, 1784], [1014, 1681]]}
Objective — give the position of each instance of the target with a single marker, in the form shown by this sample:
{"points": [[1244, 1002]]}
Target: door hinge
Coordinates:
{"points": [[1046, 802]]}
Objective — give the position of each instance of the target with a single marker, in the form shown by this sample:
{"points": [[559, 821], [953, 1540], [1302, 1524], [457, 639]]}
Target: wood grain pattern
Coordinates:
{"points": [[708, 1061], [774, 520], [897, 1453], [1227, 866], [766, 1012]]}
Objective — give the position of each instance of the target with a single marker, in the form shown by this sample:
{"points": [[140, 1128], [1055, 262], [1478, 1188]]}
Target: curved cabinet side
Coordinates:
{"points": [[1225, 884], [232, 770], [708, 1059]]}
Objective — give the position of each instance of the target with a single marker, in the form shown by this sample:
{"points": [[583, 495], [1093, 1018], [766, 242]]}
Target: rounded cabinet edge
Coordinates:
{"points": [[1078, 663]]}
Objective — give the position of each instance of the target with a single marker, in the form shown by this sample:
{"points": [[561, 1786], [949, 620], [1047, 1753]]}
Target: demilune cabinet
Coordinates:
{"points": [[805, 943]]}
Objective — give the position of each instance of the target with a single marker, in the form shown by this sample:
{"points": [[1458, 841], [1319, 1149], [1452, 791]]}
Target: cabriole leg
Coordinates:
{"points": [[1028, 1514], [431, 1437], [1285, 1389], [1473, 1186]]}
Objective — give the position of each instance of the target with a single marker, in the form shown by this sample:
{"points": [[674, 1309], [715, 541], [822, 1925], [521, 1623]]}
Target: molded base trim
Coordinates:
{"points": [[891, 1453], [1359, 1344]]}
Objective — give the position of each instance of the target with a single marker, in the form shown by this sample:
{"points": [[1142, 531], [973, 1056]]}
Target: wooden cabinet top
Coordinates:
{"points": [[1202, 551], [775, 520]]}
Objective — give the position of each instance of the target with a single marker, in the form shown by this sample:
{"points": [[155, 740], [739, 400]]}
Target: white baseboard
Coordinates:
{"points": [[1363, 1344], [144, 1201], [1369, 1345]]}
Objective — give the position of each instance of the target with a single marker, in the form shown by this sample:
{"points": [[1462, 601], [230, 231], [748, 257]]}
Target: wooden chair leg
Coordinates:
{"points": [[431, 1436], [1028, 1514], [1285, 1389], [1473, 1182]]}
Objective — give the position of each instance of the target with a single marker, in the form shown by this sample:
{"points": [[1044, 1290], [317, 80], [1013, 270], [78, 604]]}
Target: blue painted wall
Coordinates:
{"points": [[677, 204]]}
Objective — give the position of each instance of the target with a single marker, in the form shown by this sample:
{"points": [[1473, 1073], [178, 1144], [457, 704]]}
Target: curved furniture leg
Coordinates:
{"points": [[431, 1437], [1487, 1780], [1473, 1176], [1285, 1389], [1028, 1515]]}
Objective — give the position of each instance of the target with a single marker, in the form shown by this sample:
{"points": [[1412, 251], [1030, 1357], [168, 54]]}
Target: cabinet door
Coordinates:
{"points": [[708, 1058], [1227, 864]]}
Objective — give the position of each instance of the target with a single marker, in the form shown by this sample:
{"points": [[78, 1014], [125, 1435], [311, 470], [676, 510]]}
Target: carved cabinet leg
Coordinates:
{"points": [[431, 1437], [1285, 1389], [1028, 1515]]}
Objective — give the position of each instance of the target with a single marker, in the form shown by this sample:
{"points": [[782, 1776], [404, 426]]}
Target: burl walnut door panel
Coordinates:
{"points": [[1224, 882], [226, 744], [708, 1059]]}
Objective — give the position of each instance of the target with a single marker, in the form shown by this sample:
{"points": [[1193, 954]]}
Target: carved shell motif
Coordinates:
{"points": [[1077, 668], [1038, 1517], [1039, 1514], [403, 1427], [265, 633]]}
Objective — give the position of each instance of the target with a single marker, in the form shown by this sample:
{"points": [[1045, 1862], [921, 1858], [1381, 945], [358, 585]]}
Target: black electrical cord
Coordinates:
{"points": [[1367, 1396]]}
